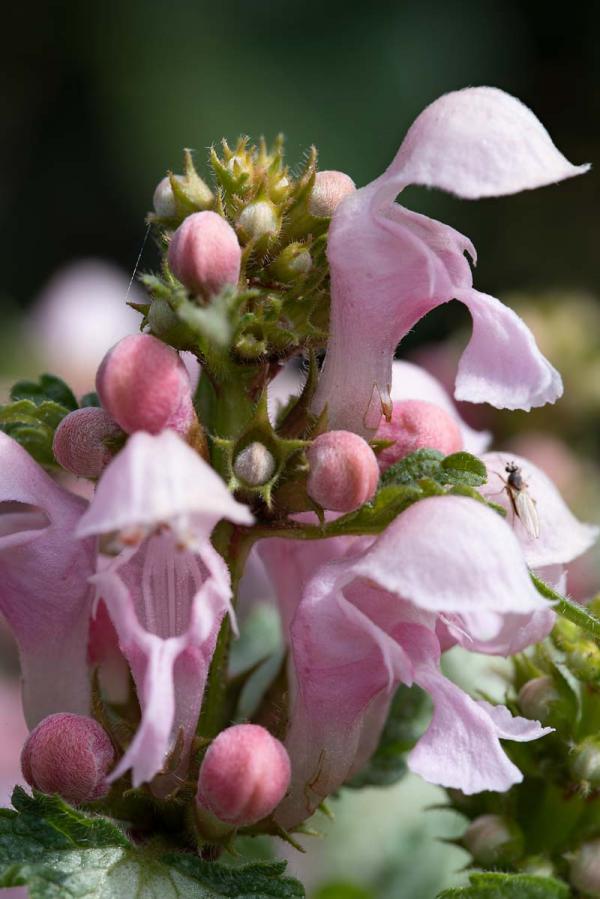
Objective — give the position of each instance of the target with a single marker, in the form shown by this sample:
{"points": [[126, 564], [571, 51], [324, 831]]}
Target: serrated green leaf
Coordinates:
{"points": [[458, 469], [58, 851], [48, 387], [404, 726], [509, 886]]}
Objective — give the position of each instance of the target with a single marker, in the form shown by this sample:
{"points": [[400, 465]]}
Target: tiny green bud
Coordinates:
{"points": [[293, 262], [255, 465], [279, 190], [583, 658], [492, 839], [584, 761], [165, 324], [258, 220], [537, 697]]}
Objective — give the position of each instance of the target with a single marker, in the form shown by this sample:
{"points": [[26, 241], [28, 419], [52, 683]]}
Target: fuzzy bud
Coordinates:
{"points": [[69, 755], [585, 868], [254, 465], [584, 761], [491, 840], [329, 190], [343, 471], [164, 199], [204, 253], [258, 220], [82, 441], [143, 384], [244, 775], [293, 262], [538, 698], [415, 425]]}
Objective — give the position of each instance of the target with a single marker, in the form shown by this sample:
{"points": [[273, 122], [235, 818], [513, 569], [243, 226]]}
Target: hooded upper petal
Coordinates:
{"points": [[389, 266], [44, 590], [480, 142], [158, 479], [561, 536]]}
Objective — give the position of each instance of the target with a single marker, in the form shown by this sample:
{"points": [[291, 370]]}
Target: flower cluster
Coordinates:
{"points": [[385, 537]]}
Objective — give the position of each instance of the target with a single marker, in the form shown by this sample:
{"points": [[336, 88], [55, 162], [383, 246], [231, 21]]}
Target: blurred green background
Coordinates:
{"points": [[99, 98]]}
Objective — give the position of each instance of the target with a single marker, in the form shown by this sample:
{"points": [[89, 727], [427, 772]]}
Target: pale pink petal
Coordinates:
{"points": [[389, 268], [289, 564], [479, 142], [502, 364], [185, 490], [167, 605], [450, 554], [44, 593], [509, 727], [411, 382], [561, 536], [516, 633], [343, 663]]}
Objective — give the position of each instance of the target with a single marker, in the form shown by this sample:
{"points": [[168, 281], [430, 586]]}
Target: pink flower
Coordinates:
{"points": [[44, 591], [390, 266], [367, 622], [166, 588]]}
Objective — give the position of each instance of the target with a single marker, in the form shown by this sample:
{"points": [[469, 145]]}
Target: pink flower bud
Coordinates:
{"points": [[82, 441], [415, 425], [69, 755], [585, 868], [492, 839], [244, 775], [329, 190], [255, 465], [204, 253], [343, 471], [143, 384]]}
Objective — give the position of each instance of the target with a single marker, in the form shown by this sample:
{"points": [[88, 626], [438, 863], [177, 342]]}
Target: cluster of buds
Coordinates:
{"points": [[261, 230]]}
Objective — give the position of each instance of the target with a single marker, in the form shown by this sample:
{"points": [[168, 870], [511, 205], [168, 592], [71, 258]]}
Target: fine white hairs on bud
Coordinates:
{"points": [[255, 465], [257, 220], [329, 190], [164, 199]]}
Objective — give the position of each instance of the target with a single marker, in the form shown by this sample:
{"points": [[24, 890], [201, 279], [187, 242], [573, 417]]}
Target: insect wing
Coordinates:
{"points": [[527, 512]]}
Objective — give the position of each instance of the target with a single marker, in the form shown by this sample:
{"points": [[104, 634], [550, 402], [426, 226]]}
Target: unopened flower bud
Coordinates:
{"points": [[584, 761], [82, 441], [143, 384], [329, 190], [585, 868], [343, 471], [204, 253], [538, 697], [69, 755], [164, 199], [254, 465], [244, 775], [293, 262], [416, 424], [258, 220], [491, 839]]}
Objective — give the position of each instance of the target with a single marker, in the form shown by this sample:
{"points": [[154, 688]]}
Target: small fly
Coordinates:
{"points": [[523, 504]]}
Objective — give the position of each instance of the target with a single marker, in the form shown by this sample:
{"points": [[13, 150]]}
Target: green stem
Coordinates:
{"points": [[570, 610], [234, 545]]}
